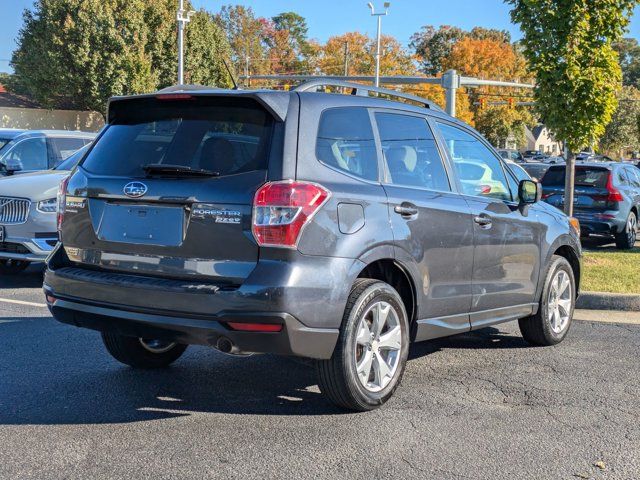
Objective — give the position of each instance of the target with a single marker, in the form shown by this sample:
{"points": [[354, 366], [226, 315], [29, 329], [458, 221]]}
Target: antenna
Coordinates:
{"points": [[233, 80]]}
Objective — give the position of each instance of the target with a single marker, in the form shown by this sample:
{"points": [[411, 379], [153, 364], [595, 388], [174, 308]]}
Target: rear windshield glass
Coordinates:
{"points": [[585, 177], [224, 135]]}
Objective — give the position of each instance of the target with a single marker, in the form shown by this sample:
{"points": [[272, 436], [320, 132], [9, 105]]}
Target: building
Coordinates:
{"points": [[540, 139]]}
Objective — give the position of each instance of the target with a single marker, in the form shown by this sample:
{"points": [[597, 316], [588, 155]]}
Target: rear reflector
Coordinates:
{"points": [[50, 299], [255, 327], [282, 209]]}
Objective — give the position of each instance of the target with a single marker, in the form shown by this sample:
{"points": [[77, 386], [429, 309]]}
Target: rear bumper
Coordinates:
{"points": [[601, 227], [307, 295], [293, 339]]}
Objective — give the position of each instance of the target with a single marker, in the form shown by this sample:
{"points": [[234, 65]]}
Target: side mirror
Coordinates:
{"points": [[12, 166], [529, 192]]}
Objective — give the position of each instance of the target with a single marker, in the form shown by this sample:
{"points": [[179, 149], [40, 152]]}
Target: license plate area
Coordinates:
{"points": [[142, 224]]}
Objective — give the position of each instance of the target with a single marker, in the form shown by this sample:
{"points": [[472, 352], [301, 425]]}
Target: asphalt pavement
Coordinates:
{"points": [[482, 405]]}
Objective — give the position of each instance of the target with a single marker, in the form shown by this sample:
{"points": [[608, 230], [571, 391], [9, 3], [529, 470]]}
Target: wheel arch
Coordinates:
{"points": [[393, 273]]}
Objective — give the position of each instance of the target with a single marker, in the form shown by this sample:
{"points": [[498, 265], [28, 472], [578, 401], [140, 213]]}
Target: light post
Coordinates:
{"points": [[379, 16], [183, 18]]}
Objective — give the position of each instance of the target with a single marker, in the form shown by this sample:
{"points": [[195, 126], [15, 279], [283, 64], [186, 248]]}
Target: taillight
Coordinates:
{"points": [[614, 193], [62, 201], [282, 209]]}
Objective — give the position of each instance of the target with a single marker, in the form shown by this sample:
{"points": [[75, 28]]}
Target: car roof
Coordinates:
{"points": [[10, 132], [55, 133]]}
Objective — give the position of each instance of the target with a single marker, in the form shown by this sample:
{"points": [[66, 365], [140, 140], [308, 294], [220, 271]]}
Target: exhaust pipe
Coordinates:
{"points": [[224, 345]]}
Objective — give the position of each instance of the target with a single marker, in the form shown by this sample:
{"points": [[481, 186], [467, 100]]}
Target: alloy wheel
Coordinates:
{"points": [[560, 302], [378, 346], [632, 229]]}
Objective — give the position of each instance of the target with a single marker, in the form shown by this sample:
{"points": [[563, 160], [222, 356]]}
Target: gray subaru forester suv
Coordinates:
{"points": [[338, 227]]}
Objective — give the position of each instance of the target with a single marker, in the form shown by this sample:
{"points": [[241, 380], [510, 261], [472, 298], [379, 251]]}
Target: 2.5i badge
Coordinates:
{"points": [[203, 210]]}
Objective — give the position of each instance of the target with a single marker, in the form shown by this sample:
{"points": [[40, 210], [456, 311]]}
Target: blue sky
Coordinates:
{"points": [[330, 17]]}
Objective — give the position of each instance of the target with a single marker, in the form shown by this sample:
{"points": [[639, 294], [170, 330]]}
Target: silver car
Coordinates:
{"points": [[28, 206]]}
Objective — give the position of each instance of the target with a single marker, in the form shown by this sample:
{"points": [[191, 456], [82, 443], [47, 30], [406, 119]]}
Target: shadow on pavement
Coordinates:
{"points": [[56, 375], [30, 278]]}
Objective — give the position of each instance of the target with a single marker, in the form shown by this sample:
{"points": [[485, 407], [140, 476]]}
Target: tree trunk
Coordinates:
{"points": [[569, 181]]}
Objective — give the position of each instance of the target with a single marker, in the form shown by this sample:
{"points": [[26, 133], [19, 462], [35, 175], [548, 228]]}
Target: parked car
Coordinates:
{"points": [[8, 134], [28, 205], [36, 150], [513, 155], [334, 227], [606, 199], [518, 171], [536, 170], [530, 155]]}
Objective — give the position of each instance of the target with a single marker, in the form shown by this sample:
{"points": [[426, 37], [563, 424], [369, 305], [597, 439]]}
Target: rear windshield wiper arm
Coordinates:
{"points": [[177, 170]]}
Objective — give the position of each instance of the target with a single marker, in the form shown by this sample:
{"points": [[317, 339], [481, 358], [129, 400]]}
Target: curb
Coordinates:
{"points": [[608, 301]]}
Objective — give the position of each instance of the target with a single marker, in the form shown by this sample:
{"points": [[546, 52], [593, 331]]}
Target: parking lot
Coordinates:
{"points": [[480, 405]]}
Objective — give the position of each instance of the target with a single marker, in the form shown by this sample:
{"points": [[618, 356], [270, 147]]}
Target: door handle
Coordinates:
{"points": [[483, 220], [406, 209]]}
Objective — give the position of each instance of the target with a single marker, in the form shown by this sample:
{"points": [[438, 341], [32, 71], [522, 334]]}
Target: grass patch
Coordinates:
{"points": [[611, 271]]}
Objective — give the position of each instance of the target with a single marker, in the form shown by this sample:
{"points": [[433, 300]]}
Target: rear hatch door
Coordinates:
{"points": [[590, 191], [168, 187]]}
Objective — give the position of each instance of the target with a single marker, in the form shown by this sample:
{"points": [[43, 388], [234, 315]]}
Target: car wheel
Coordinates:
{"points": [[551, 323], [369, 359], [626, 239], [12, 267], [142, 352]]}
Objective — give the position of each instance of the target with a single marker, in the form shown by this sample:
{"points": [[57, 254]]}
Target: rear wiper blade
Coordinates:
{"points": [[177, 170]]}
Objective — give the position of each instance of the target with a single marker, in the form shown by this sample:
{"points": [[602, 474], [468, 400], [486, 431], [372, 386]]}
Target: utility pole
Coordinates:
{"points": [[346, 59], [247, 58], [379, 16], [183, 18]]}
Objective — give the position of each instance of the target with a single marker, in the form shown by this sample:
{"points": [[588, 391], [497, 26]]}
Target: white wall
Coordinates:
{"points": [[41, 119]]}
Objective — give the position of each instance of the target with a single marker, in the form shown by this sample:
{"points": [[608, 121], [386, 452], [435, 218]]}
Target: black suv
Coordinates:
{"points": [[339, 227]]}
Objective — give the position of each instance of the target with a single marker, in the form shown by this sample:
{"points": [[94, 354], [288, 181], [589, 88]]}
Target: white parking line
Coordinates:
{"points": [[22, 302]]}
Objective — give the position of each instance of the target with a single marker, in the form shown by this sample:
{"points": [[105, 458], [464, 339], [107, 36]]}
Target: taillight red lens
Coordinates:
{"points": [[614, 193], [282, 209], [62, 200]]}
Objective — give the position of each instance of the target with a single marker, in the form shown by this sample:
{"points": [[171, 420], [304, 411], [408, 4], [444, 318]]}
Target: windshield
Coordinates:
{"points": [[585, 177], [72, 161], [222, 135]]}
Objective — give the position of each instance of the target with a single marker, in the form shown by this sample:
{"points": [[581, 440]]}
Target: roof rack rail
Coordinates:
{"points": [[364, 90]]}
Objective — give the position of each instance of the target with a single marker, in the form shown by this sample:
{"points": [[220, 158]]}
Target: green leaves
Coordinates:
{"points": [[568, 45], [77, 53]]}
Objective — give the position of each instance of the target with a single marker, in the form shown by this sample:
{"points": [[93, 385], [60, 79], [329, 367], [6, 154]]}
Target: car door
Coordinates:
{"points": [[507, 236], [431, 223], [634, 180], [29, 154]]}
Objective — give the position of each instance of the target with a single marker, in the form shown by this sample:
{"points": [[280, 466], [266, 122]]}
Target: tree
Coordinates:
{"points": [[629, 52], [290, 49], [361, 61], [499, 123], [77, 53], [623, 133], [433, 46], [246, 36], [569, 47]]}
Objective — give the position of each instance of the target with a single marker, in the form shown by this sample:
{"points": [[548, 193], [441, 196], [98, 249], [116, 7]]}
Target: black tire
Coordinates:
{"points": [[537, 329], [626, 239], [337, 377], [130, 351], [12, 267]]}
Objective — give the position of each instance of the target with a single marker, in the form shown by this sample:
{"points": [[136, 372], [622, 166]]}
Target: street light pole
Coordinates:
{"points": [[379, 16], [183, 18]]}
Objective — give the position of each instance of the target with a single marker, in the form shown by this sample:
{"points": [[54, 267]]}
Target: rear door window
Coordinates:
{"points": [[345, 142], [62, 148], [410, 152], [224, 135]]}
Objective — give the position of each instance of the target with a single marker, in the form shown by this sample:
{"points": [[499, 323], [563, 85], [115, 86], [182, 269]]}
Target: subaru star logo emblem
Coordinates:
{"points": [[135, 189]]}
